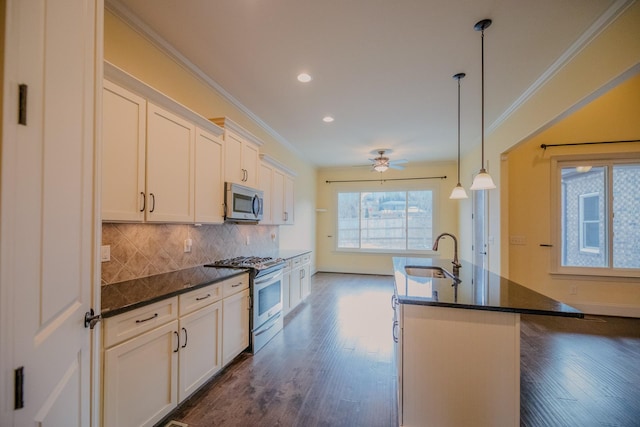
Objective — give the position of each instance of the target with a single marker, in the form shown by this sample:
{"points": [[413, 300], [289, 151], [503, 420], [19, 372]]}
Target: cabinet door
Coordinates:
{"points": [[278, 197], [170, 158], [124, 119], [265, 184], [250, 163], [209, 178], [200, 348], [305, 281], [140, 377], [295, 287], [233, 170], [288, 200], [286, 285], [235, 325]]}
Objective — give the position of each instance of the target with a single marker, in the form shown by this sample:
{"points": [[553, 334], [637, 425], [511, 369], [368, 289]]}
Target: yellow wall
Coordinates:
{"points": [[328, 259], [613, 116], [135, 54]]}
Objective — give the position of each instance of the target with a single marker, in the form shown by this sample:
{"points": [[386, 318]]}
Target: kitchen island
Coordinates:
{"points": [[458, 342]]}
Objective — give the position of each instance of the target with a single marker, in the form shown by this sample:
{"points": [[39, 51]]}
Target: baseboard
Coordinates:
{"points": [[620, 310]]}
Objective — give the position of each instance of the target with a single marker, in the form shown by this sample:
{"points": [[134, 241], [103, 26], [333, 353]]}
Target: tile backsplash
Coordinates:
{"points": [[141, 250]]}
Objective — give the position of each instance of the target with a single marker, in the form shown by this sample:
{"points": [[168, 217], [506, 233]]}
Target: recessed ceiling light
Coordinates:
{"points": [[327, 119], [304, 78]]}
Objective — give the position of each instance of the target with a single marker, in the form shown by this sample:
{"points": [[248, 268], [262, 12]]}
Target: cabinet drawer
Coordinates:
{"points": [[235, 285], [295, 262], [306, 258], [199, 298], [135, 322]]}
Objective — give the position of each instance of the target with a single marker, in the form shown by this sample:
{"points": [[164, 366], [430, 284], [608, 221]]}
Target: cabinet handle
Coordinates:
{"points": [[204, 297], [178, 341], [250, 302], [236, 285], [286, 216], [144, 201], [153, 202], [393, 302], [147, 319], [185, 338], [246, 175]]}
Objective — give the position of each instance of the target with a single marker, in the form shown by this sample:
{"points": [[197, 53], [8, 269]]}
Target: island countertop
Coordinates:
{"points": [[124, 296], [491, 292]]}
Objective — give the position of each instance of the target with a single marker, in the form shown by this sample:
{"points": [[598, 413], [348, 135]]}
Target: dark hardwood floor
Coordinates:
{"points": [[333, 365]]}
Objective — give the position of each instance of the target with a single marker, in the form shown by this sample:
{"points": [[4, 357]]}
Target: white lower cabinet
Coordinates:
{"points": [[296, 281], [158, 355], [200, 348], [235, 325]]}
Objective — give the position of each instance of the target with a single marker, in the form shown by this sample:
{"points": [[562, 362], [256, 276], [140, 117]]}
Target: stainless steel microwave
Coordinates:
{"points": [[242, 204]]}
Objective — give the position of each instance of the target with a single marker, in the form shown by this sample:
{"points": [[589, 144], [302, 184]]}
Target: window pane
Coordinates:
{"points": [[420, 220], [348, 220], [626, 219], [383, 222], [583, 210]]}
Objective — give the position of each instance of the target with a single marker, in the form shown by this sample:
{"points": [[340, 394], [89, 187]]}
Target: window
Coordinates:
{"points": [[598, 225], [385, 220]]}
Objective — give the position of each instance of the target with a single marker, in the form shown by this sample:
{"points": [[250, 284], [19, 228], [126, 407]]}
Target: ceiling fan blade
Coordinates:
{"points": [[395, 166], [399, 161]]}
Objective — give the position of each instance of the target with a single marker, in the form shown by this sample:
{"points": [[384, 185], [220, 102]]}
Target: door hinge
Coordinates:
{"points": [[22, 104], [91, 318], [18, 392]]}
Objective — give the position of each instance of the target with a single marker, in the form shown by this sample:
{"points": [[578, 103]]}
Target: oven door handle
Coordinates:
{"points": [[270, 326], [269, 277]]}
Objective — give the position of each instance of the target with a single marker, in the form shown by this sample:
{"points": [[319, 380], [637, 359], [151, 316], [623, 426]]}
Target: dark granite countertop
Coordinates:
{"points": [[292, 253], [120, 297], [458, 291]]}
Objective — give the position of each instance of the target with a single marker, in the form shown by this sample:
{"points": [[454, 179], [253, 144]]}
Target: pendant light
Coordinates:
{"points": [[483, 180], [458, 191]]}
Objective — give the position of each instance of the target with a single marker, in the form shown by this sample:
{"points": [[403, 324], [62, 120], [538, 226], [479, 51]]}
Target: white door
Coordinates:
{"points": [[48, 226]]}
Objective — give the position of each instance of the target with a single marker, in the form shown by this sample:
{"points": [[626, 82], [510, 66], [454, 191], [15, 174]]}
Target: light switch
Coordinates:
{"points": [[105, 253]]}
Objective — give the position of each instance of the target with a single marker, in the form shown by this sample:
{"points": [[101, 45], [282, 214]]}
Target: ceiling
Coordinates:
{"points": [[383, 69]]}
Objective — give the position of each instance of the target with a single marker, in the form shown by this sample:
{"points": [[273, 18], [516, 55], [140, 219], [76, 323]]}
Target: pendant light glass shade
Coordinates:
{"points": [[483, 180], [458, 191]]}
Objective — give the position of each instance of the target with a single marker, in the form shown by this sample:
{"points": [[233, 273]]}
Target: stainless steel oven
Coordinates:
{"points": [[267, 308]]}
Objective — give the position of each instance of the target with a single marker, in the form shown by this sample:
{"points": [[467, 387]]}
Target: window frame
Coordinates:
{"points": [[583, 222], [595, 160], [375, 186]]}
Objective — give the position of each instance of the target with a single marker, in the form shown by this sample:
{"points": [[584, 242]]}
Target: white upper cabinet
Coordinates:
{"points": [[264, 184], [123, 154], [170, 166], [241, 153], [161, 162], [281, 196], [209, 186]]}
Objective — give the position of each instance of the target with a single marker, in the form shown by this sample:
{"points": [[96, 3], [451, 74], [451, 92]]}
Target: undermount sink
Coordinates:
{"points": [[427, 271]]}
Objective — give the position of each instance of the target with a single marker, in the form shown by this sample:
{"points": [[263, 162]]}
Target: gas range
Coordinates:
{"points": [[260, 265]]}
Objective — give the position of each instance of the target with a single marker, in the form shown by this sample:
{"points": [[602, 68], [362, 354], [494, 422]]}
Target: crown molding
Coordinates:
{"points": [[609, 16], [122, 78], [273, 162], [229, 124]]}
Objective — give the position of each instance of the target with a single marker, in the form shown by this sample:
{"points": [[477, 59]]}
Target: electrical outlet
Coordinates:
{"points": [[187, 245], [518, 240], [105, 253], [573, 290], [247, 241]]}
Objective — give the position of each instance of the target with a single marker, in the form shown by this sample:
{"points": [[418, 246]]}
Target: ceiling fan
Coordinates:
{"points": [[381, 163]]}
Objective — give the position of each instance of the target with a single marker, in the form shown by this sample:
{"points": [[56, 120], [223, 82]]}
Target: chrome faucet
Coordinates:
{"points": [[455, 261]]}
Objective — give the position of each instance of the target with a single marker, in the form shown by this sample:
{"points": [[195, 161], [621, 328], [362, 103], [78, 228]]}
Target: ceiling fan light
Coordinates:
{"points": [[482, 181], [458, 193], [380, 168]]}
